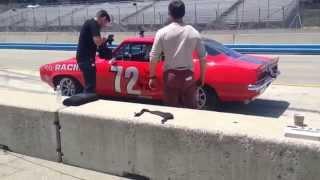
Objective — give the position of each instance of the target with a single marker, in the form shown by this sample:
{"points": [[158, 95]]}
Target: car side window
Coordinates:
{"points": [[134, 52], [212, 50], [123, 52]]}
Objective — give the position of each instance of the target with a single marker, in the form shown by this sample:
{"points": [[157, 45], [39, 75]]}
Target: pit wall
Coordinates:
{"points": [[105, 136]]}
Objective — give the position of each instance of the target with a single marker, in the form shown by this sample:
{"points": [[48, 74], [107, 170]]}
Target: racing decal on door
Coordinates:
{"points": [[131, 73]]}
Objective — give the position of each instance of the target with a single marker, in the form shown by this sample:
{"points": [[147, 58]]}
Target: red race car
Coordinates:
{"points": [[230, 76]]}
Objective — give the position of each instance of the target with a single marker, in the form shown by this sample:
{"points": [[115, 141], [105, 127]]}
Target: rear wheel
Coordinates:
{"points": [[207, 98], [68, 86]]}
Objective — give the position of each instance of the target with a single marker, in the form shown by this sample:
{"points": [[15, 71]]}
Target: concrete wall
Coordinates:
{"points": [[105, 136], [27, 124], [272, 36]]}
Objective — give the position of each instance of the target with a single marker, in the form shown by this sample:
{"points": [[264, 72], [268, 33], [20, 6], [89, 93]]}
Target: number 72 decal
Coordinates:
{"points": [[131, 73]]}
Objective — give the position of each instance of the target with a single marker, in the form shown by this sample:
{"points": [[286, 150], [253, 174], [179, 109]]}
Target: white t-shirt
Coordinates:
{"points": [[177, 42]]}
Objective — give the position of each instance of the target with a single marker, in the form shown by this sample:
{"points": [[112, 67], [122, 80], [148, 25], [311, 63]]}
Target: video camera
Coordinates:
{"points": [[104, 51]]}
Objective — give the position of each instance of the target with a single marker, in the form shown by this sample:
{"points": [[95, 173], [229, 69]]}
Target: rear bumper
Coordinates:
{"points": [[261, 86]]}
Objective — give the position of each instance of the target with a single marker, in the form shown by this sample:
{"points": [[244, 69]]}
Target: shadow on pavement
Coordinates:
{"points": [[259, 107]]}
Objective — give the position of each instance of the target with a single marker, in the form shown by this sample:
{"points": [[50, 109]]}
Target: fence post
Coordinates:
{"points": [[159, 18], [12, 20], [143, 19], [87, 12], [59, 17], [242, 15], [259, 16], [136, 15], [268, 9], [237, 16], [22, 19], [47, 24], [283, 16], [119, 15], [195, 13], [71, 19], [299, 15], [268, 16], [34, 18], [24, 24], [154, 14], [21, 16], [217, 15]]}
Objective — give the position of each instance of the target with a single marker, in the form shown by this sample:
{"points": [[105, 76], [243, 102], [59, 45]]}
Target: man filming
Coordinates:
{"points": [[90, 39]]}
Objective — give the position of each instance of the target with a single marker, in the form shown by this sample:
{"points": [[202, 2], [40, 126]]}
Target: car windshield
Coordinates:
{"points": [[214, 48]]}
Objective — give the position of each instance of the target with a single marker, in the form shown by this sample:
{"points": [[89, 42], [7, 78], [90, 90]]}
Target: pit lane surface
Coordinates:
{"points": [[296, 90], [301, 70]]}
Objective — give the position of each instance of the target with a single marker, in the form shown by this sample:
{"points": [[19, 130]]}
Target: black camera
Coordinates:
{"points": [[104, 51]]}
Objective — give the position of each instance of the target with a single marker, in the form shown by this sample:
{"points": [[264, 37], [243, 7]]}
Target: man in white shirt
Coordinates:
{"points": [[178, 42]]}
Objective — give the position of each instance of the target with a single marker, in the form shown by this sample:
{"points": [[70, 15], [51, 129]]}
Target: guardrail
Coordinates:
{"points": [[304, 49]]}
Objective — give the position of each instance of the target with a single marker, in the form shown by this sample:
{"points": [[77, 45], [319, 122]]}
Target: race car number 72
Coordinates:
{"points": [[131, 73]]}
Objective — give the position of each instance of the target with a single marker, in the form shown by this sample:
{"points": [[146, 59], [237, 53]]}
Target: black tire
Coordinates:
{"points": [[207, 98], [68, 86]]}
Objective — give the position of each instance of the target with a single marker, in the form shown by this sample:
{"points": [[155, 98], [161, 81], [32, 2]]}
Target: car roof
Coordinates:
{"points": [[149, 39], [146, 39]]}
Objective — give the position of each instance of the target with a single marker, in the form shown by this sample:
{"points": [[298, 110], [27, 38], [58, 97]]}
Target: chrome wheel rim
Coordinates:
{"points": [[67, 87], [201, 98]]}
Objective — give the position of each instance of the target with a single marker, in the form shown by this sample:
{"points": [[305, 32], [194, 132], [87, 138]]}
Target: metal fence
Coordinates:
{"points": [[128, 16]]}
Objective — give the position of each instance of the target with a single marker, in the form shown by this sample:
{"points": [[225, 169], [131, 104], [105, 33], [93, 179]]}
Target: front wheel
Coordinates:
{"points": [[206, 98], [68, 86]]}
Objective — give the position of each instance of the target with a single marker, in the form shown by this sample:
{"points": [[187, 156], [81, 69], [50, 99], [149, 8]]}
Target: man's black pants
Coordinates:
{"points": [[88, 70]]}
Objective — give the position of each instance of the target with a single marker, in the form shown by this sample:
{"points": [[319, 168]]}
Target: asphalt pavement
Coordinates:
{"points": [[299, 74], [300, 70]]}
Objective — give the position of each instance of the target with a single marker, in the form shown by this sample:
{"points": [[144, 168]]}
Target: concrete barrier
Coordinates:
{"points": [[105, 136], [27, 124]]}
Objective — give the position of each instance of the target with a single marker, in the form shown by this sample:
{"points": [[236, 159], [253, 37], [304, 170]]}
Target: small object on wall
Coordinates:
{"points": [[165, 115], [299, 120], [302, 133]]}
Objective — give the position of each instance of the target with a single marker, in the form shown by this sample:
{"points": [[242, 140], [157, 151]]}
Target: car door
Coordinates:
{"points": [[131, 71], [105, 78]]}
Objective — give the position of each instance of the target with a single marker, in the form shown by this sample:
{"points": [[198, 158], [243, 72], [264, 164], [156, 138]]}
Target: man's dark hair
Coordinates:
{"points": [[103, 13], [177, 9]]}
